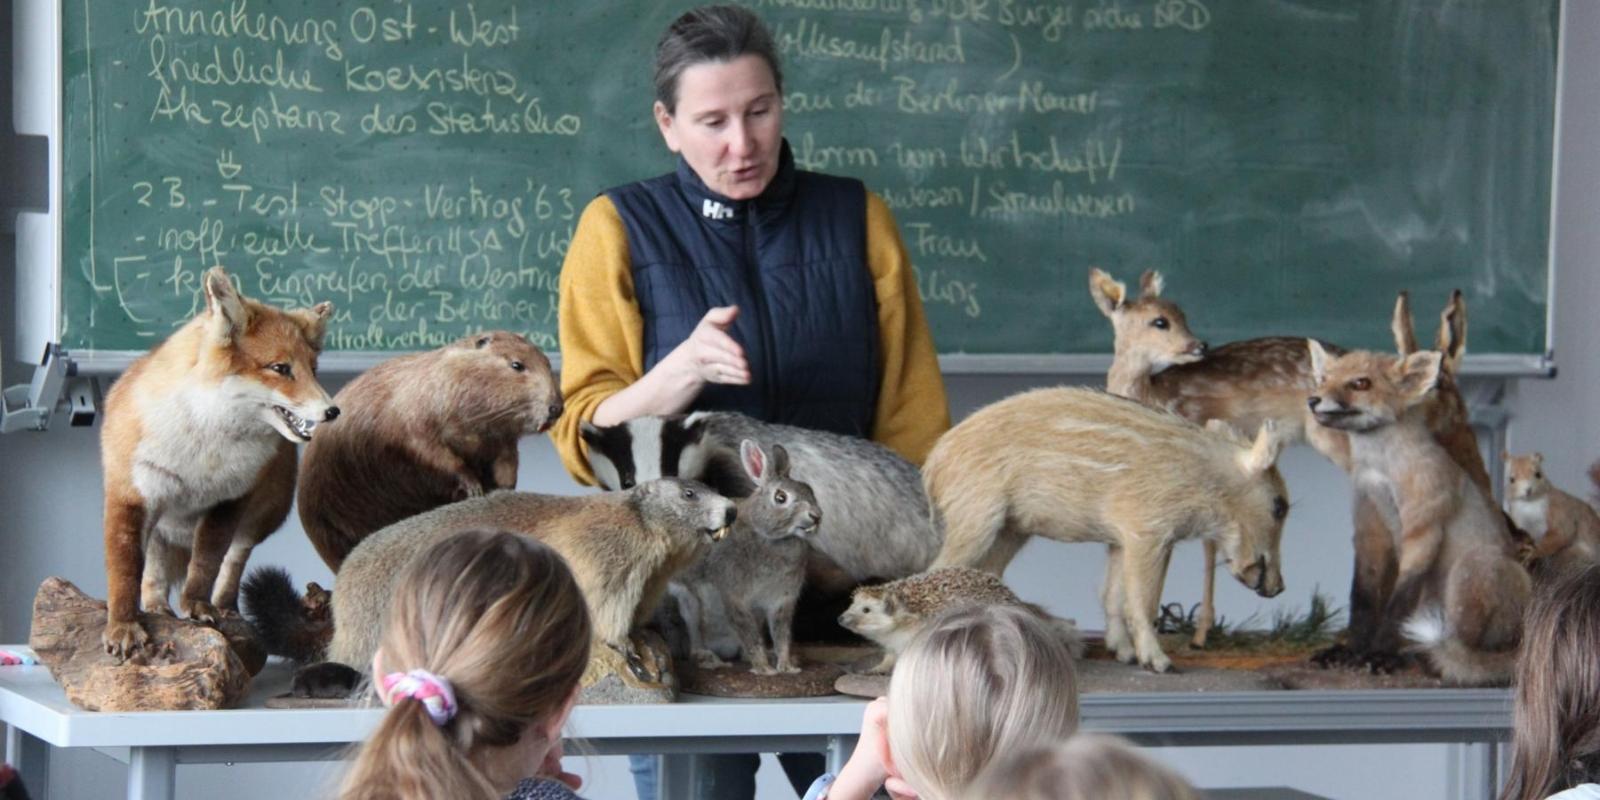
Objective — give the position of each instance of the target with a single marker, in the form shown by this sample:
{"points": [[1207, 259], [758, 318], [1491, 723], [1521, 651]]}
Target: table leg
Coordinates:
{"points": [[676, 776], [152, 773], [30, 756], [839, 750], [1474, 770]]}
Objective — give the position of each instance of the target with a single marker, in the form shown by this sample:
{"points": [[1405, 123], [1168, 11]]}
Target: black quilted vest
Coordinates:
{"points": [[793, 260]]}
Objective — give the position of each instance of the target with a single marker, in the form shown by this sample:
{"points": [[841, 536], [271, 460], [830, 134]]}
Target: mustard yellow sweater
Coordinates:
{"points": [[602, 335]]}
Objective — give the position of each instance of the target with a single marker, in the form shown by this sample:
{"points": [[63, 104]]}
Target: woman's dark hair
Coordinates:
{"points": [[711, 33], [1556, 737]]}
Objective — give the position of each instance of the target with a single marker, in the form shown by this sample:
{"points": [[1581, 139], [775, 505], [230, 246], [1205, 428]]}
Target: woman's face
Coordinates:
{"points": [[728, 125]]}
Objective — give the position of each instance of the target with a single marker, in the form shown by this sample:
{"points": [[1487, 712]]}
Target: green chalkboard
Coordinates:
{"points": [[1290, 164]]}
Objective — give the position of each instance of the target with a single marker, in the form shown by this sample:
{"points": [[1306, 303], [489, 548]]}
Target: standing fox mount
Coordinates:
{"points": [[1459, 591], [1084, 466], [198, 454]]}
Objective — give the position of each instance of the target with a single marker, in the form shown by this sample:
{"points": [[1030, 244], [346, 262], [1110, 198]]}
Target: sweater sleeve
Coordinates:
{"points": [[912, 409], [600, 327]]}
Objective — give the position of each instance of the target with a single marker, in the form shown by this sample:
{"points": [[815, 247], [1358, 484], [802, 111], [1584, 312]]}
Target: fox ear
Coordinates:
{"points": [[1452, 338], [1403, 327], [1417, 374], [228, 315], [1108, 292], [754, 460], [314, 321], [1151, 283], [1319, 360], [1264, 451]]}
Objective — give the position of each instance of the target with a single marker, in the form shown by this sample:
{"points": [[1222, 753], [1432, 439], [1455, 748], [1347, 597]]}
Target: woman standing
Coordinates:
{"points": [[738, 282]]}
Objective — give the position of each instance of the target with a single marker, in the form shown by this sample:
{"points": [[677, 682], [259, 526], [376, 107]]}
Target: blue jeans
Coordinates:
{"points": [[727, 776]]}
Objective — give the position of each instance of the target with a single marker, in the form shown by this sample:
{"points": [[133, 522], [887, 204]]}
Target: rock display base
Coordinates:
{"points": [[736, 680], [185, 666], [610, 680]]}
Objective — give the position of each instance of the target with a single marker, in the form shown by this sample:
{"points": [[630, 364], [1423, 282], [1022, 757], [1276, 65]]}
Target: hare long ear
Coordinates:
{"points": [[1109, 294], [1452, 338], [780, 461], [1401, 324], [754, 460]]}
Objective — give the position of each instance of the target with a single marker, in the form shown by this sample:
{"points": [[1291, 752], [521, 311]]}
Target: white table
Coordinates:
{"points": [[153, 744]]}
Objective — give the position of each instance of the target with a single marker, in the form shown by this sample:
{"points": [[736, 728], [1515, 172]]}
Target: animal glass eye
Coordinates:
{"points": [[1280, 508], [518, 366], [281, 368], [1361, 384], [483, 340], [688, 494], [1160, 323], [780, 496], [1538, 476]]}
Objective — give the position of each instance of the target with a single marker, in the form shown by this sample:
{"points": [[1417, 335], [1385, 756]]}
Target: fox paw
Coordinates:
{"points": [[1384, 662], [1336, 656], [200, 611], [122, 638]]}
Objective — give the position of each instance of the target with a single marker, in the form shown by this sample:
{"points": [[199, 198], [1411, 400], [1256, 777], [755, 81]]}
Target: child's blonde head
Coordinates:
{"points": [[1085, 767], [501, 618], [977, 683]]}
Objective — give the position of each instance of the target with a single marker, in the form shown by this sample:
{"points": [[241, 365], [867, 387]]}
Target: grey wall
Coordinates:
{"points": [[50, 499]]}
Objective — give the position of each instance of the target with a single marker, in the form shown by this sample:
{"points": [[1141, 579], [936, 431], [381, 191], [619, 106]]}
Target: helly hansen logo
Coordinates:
{"points": [[712, 209]]}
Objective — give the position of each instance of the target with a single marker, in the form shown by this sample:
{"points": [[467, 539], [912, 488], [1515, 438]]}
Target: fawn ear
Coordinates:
{"points": [[1319, 360], [754, 460], [1402, 326], [1109, 294], [1151, 283], [1417, 374], [1452, 338], [1264, 451]]}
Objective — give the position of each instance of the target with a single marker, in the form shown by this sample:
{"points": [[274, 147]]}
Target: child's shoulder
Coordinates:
{"points": [[542, 789], [1588, 791]]}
